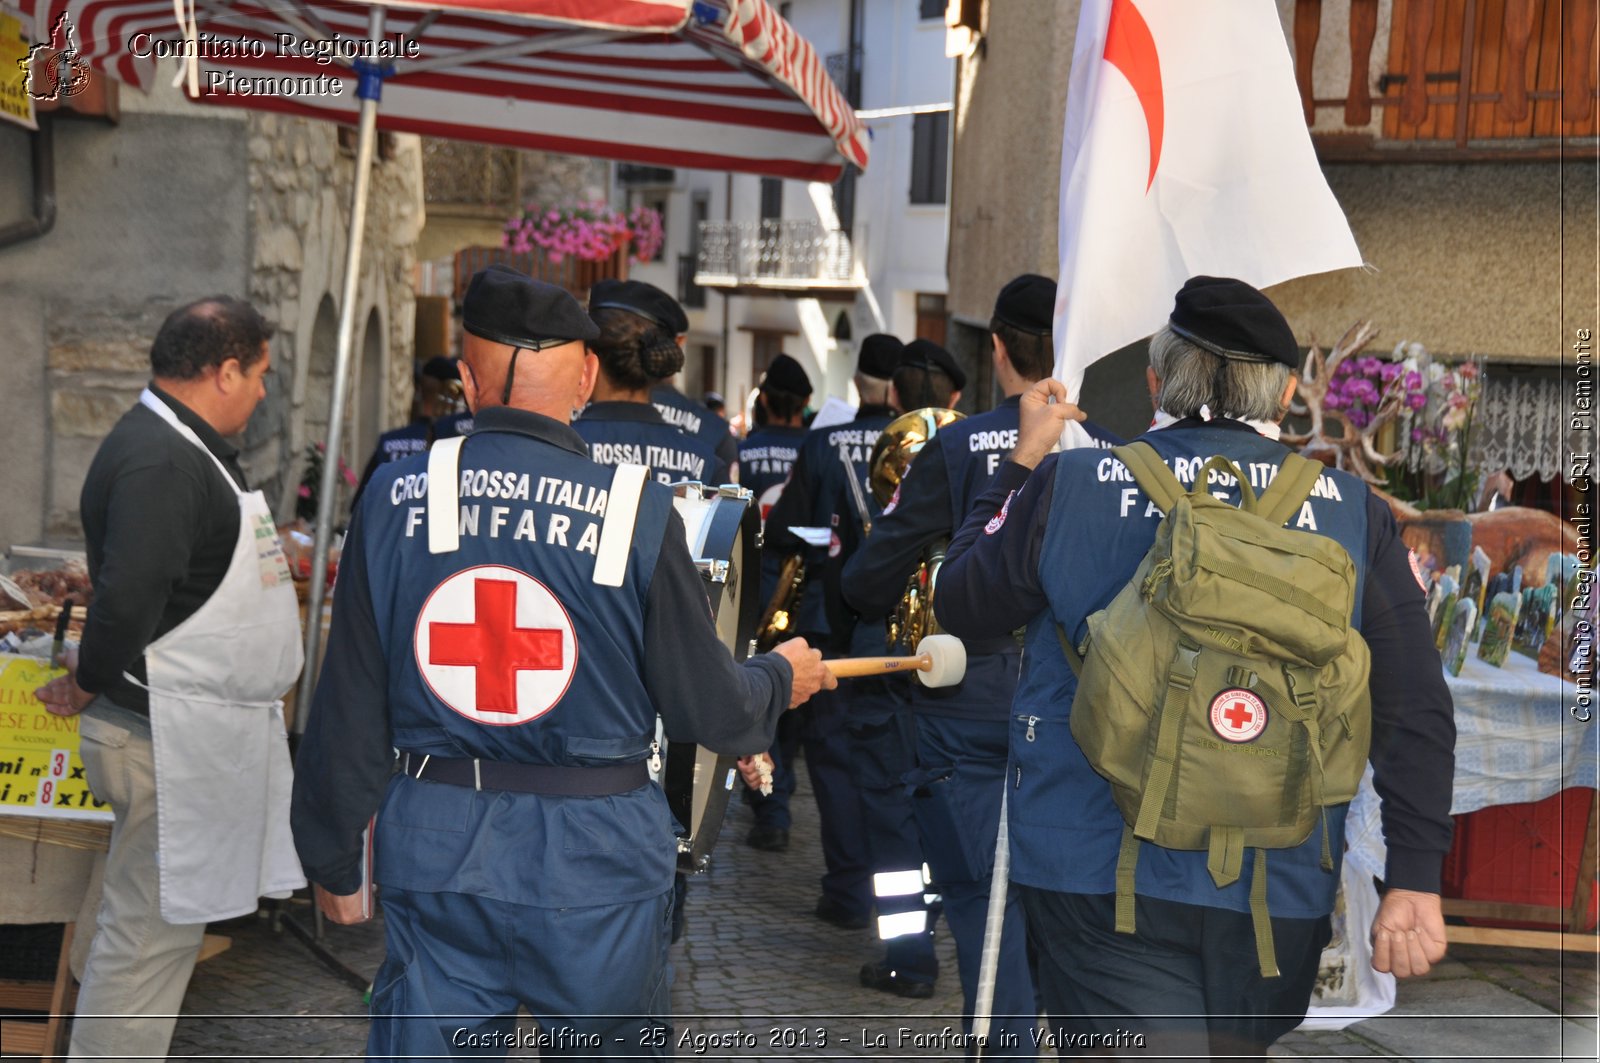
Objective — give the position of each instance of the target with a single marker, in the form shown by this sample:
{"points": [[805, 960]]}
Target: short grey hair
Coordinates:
{"points": [[1192, 377], [874, 391]]}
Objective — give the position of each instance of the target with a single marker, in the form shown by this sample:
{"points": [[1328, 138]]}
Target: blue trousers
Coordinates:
{"points": [[882, 750], [456, 966], [847, 879], [1187, 983], [957, 801]]}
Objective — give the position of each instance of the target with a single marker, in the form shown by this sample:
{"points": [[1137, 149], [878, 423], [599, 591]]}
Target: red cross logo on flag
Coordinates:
{"points": [[1238, 715], [495, 645]]}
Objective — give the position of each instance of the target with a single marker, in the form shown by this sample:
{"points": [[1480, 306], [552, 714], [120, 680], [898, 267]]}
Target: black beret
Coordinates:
{"points": [[645, 300], [505, 306], [925, 354], [440, 367], [1232, 320], [786, 374], [879, 355], [603, 290], [1028, 303]]}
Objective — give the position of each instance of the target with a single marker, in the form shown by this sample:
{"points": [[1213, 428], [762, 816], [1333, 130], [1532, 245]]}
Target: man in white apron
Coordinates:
{"points": [[192, 635]]}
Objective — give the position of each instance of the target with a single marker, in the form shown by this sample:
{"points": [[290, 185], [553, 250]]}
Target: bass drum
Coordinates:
{"points": [[724, 530]]}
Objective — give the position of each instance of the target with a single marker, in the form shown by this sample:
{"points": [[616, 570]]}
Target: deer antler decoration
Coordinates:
{"points": [[1353, 448]]}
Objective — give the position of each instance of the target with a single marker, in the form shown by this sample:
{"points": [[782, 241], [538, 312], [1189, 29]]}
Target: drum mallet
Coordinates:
{"points": [[940, 661]]}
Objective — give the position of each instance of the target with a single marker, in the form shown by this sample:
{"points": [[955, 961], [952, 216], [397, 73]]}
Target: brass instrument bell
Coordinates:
{"points": [[782, 614], [912, 618], [900, 442]]}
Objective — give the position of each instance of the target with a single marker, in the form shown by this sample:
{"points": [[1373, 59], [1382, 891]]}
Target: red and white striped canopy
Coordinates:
{"points": [[708, 84]]}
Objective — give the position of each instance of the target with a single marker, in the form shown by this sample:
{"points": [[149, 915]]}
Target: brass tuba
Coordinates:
{"points": [[901, 441]]}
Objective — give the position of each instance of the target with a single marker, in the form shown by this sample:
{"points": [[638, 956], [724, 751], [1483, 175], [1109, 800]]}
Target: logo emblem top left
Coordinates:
{"points": [[495, 645]]}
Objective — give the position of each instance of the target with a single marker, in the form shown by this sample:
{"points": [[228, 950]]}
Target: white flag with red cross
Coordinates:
{"points": [[1185, 152]]}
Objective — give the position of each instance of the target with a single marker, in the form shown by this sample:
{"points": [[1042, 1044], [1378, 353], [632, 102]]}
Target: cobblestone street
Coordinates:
{"points": [[755, 962]]}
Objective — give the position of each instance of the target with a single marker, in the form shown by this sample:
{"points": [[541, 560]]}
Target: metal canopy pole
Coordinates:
{"points": [[369, 88]]}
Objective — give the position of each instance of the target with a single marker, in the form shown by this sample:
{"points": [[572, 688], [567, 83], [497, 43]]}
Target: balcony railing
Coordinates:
{"points": [[773, 255], [1459, 78]]}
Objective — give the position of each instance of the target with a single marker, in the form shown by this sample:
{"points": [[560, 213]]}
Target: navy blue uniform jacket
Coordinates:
{"points": [[533, 504]]}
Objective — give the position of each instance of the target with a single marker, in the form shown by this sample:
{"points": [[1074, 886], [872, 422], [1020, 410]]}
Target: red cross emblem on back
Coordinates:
{"points": [[495, 645], [1238, 715]]}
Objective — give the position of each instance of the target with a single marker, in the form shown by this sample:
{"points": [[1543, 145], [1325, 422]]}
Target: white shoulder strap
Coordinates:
{"points": [[616, 534], [444, 498], [151, 401]]}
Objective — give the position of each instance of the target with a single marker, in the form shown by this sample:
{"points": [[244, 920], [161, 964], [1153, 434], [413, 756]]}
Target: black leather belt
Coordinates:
{"points": [[556, 780]]}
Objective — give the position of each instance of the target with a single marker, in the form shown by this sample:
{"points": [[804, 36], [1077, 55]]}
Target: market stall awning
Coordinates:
{"points": [[709, 84]]}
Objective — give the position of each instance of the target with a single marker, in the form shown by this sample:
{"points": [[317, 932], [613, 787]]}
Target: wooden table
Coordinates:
{"points": [[1515, 742]]}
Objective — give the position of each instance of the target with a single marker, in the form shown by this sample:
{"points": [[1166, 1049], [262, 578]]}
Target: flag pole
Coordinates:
{"points": [[989, 965], [369, 87]]}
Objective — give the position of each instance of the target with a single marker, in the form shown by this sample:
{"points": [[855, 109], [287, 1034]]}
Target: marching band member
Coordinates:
{"points": [[826, 456], [637, 345], [432, 384], [698, 420], [879, 725], [495, 626], [1052, 539], [961, 731], [766, 457]]}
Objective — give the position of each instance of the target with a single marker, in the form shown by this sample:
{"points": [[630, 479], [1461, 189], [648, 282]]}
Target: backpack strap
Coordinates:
{"points": [[1127, 863], [1266, 952], [1297, 478], [1247, 494], [1169, 736], [1069, 651], [1150, 473]]}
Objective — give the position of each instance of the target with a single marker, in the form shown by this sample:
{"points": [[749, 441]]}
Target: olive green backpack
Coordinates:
{"points": [[1223, 693]]}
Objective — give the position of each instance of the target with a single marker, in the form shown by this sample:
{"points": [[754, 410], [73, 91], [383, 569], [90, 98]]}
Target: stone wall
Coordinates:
{"points": [[150, 215], [549, 179], [174, 203], [300, 187], [458, 217], [1006, 162]]}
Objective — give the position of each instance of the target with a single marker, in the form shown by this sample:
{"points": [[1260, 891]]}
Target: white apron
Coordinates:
{"points": [[221, 751]]}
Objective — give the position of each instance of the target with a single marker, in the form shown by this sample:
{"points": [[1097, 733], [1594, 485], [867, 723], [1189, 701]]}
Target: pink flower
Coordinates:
{"points": [[305, 491]]}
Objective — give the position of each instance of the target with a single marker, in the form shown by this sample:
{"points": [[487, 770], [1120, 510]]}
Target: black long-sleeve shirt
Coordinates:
{"points": [[160, 524], [990, 585]]}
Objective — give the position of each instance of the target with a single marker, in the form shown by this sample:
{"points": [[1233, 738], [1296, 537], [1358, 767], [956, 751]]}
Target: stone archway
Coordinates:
{"points": [[320, 361], [371, 387]]}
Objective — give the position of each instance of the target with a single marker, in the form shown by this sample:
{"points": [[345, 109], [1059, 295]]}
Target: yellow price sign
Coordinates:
{"points": [[15, 103], [40, 772]]}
